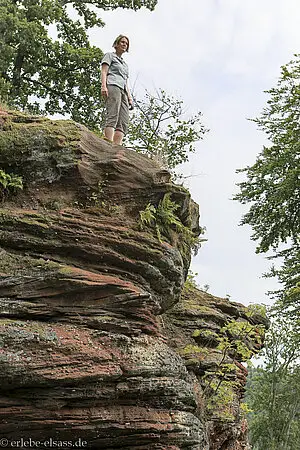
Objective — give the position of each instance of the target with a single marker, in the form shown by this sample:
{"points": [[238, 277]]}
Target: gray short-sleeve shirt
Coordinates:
{"points": [[117, 69]]}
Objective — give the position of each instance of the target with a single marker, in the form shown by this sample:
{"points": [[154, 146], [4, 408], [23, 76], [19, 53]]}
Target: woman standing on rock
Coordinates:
{"points": [[114, 80]]}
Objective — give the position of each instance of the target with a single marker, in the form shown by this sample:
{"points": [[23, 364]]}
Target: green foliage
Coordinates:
{"points": [[190, 282], [47, 63], [166, 223], [9, 183], [255, 309], [235, 344], [288, 297], [162, 218], [273, 391], [245, 408], [48, 66], [97, 196], [164, 135], [166, 218], [221, 403], [237, 337], [272, 187]]}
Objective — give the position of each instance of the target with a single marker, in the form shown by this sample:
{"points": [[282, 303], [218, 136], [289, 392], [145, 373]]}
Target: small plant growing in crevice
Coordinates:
{"points": [[165, 222], [9, 183], [162, 218], [148, 216], [191, 282], [234, 344], [97, 196]]}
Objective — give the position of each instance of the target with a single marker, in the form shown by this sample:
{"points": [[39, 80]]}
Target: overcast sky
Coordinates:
{"points": [[218, 56]]}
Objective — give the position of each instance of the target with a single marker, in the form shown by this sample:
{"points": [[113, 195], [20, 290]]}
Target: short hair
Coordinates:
{"points": [[117, 40]]}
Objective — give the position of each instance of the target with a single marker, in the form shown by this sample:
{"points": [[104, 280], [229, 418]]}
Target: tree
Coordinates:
{"points": [[273, 392], [48, 66], [61, 74], [272, 187], [159, 129]]}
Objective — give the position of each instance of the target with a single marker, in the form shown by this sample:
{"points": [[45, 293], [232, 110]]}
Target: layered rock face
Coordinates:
{"points": [[99, 342]]}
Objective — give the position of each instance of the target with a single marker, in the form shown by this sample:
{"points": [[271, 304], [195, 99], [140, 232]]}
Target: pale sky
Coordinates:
{"points": [[218, 56]]}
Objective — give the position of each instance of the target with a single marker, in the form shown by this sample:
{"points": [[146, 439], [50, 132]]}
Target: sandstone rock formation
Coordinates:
{"points": [[98, 340]]}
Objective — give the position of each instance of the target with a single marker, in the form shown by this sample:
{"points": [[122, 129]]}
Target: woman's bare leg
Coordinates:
{"points": [[109, 133], [118, 137]]}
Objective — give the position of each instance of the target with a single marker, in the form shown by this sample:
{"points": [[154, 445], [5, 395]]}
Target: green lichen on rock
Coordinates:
{"points": [[190, 349], [23, 334], [20, 264], [206, 337], [38, 149]]}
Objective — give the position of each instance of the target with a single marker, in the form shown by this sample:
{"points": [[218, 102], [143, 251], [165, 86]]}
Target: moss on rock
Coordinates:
{"points": [[39, 150]]}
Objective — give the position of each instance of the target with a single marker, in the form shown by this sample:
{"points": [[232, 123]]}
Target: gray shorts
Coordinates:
{"points": [[117, 114]]}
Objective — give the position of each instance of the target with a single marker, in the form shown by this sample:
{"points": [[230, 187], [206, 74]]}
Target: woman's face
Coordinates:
{"points": [[122, 45]]}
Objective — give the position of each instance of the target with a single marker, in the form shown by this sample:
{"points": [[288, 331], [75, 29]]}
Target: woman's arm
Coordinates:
{"points": [[129, 96], [104, 70]]}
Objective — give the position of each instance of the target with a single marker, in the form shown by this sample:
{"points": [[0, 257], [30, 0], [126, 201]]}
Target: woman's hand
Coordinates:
{"points": [[130, 101], [104, 91], [104, 70]]}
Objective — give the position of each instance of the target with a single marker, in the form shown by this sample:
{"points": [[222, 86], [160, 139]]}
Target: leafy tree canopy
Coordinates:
{"points": [[166, 134], [272, 187], [48, 66], [273, 392], [54, 75]]}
